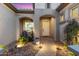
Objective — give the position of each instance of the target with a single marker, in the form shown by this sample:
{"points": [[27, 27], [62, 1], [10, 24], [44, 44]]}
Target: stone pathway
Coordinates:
{"points": [[49, 48]]}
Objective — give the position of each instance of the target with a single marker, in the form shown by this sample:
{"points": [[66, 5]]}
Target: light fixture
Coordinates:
{"points": [[19, 45], [37, 43]]}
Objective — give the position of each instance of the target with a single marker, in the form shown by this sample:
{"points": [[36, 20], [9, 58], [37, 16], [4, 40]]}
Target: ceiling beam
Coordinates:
{"points": [[26, 12], [11, 6], [61, 6]]}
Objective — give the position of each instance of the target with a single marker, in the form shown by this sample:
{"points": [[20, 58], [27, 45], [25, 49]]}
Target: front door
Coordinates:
{"points": [[45, 30]]}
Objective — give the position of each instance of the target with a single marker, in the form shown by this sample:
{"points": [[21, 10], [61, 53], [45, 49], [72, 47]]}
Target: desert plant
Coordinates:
{"points": [[71, 30], [22, 39]]}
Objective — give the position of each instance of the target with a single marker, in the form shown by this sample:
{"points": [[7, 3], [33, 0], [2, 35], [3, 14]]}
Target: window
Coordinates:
{"points": [[40, 6], [74, 12], [48, 5], [61, 18]]}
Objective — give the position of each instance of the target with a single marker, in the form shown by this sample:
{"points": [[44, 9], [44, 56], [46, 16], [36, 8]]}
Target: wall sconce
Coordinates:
{"points": [[20, 45]]}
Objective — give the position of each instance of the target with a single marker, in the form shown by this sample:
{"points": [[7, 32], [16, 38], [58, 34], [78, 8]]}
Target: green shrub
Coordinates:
{"points": [[71, 54], [23, 39], [3, 47], [71, 30]]}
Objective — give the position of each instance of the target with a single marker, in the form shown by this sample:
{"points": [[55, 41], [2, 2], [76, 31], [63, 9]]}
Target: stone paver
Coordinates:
{"points": [[51, 48], [48, 48]]}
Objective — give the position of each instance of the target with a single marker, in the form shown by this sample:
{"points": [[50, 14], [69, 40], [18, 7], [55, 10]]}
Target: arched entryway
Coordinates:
{"points": [[26, 24], [47, 26], [27, 28]]}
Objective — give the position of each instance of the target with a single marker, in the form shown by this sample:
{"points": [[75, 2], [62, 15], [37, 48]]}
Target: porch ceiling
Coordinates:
{"points": [[29, 7], [21, 7], [61, 6]]}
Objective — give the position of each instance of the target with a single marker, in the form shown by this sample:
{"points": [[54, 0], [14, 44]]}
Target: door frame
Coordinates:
{"points": [[49, 18]]}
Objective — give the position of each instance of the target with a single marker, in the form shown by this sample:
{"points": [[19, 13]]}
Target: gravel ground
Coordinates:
{"points": [[29, 49]]}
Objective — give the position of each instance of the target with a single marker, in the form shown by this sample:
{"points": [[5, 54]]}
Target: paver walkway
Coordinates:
{"points": [[48, 48], [51, 48]]}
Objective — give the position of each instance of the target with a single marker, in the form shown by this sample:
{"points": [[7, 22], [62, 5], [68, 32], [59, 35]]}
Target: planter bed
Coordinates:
{"points": [[29, 49]]}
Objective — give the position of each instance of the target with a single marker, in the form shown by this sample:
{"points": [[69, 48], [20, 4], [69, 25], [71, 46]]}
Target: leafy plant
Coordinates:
{"points": [[71, 30], [71, 54], [31, 37], [22, 39], [65, 46], [28, 35], [4, 48]]}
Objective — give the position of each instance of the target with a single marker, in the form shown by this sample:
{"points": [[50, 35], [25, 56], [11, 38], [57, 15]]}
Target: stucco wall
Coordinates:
{"points": [[62, 28], [68, 16], [36, 18], [41, 12], [7, 25]]}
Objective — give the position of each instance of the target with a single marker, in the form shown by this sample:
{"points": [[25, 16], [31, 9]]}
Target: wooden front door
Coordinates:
{"points": [[45, 27]]}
